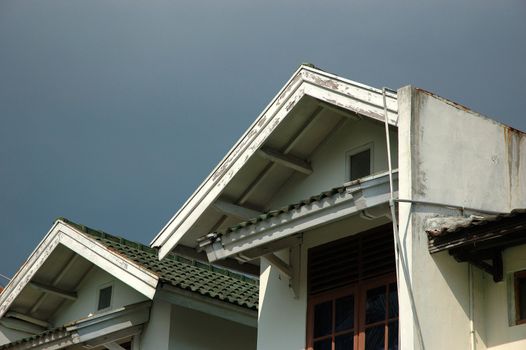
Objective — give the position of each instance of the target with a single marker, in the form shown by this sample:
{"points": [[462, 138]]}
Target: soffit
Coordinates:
{"points": [[63, 270], [299, 135]]}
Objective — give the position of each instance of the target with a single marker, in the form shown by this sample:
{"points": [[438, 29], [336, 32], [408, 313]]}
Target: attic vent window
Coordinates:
{"points": [[359, 162], [104, 298]]}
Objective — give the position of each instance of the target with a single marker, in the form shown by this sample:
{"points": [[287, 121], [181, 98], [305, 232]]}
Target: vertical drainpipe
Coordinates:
{"points": [[471, 307], [391, 194], [391, 189]]}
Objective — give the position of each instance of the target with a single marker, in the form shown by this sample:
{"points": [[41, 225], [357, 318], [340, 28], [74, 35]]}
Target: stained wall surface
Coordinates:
{"points": [[449, 154]]}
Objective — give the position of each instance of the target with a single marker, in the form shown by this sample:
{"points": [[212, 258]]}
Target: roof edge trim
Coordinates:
{"points": [[344, 93]]}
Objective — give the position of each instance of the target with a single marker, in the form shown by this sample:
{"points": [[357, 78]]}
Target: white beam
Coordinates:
{"points": [[22, 326], [27, 318], [343, 112], [56, 281], [279, 264], [286, 160], [113, 346], [235, 210], [53, 290]]}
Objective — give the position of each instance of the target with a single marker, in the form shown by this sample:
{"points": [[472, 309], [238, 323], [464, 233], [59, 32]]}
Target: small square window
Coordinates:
{"points": [[360, 164], [520, 297], [104, 298]]}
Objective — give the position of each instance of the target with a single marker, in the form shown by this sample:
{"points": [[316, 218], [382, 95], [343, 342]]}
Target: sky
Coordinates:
{"points": [[113, 111]]}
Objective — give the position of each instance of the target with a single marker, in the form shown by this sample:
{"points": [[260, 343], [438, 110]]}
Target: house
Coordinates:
{"points": [[85, 289], [379, 219]]}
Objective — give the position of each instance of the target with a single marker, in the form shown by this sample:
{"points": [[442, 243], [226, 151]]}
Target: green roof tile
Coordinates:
{"points": [[188, 274]]}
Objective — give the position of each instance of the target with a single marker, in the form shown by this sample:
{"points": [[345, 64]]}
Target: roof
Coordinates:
{"points": [[178, 271], [309, 108], [55, 333], [462, 224], [106, 325], [477, 232], [274, 213]]}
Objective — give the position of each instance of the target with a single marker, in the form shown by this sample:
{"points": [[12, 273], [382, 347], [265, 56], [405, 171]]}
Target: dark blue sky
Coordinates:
{"points": [[113, 111]]}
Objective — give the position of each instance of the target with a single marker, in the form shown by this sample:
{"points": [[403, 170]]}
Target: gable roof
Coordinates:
{"points": [[326, 90], [181, 272], [133, 263]]}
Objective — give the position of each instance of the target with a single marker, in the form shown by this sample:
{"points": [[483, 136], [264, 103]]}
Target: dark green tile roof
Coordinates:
{"points": [[188, 274], [284, 210]]}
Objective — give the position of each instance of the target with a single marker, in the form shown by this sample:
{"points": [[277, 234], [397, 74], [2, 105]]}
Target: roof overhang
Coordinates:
{"points": [[130, 273], [92, 331], [479, 240], [331, 90], [260, 238]]}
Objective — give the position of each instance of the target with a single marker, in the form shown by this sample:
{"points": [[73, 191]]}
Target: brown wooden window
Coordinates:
{"points": [[520, 297], [363, 317], [353, 299]]}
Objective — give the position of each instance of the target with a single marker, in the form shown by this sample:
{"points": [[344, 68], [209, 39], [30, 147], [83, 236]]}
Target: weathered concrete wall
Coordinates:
{"points": [[88, 296], [194, 330], [329, 163], [282, 321], [451, 155]]}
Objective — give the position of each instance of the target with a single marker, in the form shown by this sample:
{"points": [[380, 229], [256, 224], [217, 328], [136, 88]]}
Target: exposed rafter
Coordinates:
{"points": [[235, 210], [53, 290], [279, 264], [56, 281], [113, 346], [29, 319], [286, 160], [341, 111]]}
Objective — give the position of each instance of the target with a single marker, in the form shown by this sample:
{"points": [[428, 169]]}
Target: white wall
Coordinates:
{"points": [[194, 330], [501, 333], [156, 333], [282, 319], [88, 294], [450, 155], [329, 161]]}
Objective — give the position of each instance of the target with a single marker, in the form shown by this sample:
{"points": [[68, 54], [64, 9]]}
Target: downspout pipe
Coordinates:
{"points": [[471, 308]]}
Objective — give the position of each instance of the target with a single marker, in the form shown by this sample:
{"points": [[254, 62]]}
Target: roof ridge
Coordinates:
{"points": [[172, 256]]}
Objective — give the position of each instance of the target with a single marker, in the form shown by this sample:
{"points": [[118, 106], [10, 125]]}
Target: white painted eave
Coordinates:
{"points": [[357, 197], [127, 271], [306, 81]]}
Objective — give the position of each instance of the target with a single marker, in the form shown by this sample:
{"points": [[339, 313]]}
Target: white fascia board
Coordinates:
{"points": [[113, 321], [207, 305], [137, 277], [111, 325], [356, 198], [306, 81]]}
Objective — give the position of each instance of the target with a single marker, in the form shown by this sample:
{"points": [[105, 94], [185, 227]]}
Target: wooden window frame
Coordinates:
{"points": [[359, 291], [519, 275]]}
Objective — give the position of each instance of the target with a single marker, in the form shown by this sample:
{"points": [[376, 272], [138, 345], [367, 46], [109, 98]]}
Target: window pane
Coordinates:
{"points": [[392, 339], [375, 338], [104, 298], [393, 300], [344, 342], [323, 319], [344, 313], [323, 344], [375, 305], [360, 164], [522, 298]]}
